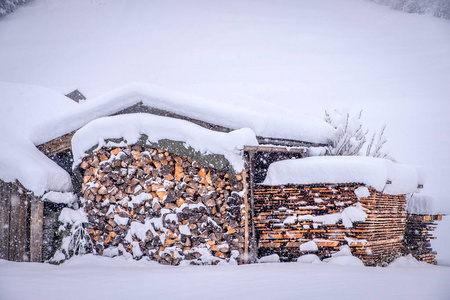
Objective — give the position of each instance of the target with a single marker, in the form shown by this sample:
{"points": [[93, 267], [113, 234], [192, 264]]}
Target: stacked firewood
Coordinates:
{"points": [[418, 237], [149, 202], [283, 222], [383, 229]]}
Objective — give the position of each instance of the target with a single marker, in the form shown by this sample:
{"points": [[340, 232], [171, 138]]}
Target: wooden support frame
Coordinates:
{"points": [[273, 149], [252, 202], [246, 214]]}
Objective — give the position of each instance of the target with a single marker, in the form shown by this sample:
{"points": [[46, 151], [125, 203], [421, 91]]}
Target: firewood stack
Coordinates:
{"points": [[376, 241], [384, 229], [152, 203], [418, 237]]}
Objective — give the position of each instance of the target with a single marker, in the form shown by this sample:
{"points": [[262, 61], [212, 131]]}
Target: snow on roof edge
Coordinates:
{"points": [[374, 172], [33, 169], [306, 128]]}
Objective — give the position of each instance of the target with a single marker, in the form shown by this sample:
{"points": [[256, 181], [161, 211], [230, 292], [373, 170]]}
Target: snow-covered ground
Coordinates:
{"points": [[266, 56], [93, 277]]}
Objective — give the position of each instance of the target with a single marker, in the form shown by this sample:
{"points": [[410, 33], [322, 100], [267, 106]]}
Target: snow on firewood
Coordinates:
{"points": [[362, 192], [348, 216], [132, 126], [381, 174], [353, 214], [60, 198], [309, 246], [70, 216]]}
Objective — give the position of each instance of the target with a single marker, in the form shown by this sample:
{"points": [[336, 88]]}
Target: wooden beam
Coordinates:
{"points": [[246, 233], [57, 145], [273, 149], [287, 142], [36, 229], [252, 202]]}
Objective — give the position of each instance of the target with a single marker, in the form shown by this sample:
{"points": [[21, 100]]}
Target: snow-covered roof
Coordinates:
{"points": [[381, 174], [33, 115], [131, 127], [22, 109], [296, 127]]}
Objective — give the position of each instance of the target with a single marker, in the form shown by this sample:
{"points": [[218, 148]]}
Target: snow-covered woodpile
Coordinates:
{"points": [[149, 202], [287, 217], [418, 237]]}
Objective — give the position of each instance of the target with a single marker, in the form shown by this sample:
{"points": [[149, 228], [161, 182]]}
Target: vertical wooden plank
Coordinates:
{"points": [[18, 225], [244, 179], [36, 229], [5, 207], [251, 185]]}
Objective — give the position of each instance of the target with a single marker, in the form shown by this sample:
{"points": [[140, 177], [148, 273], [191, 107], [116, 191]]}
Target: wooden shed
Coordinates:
{"points": [[174, 205]]}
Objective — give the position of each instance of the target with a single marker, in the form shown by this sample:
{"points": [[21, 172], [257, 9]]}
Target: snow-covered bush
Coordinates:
{"points": [[375, 146], [75, 237], [8, 6], [352, 136], [437, 8]]}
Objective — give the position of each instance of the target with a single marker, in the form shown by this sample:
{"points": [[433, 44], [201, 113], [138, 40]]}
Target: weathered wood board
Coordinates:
{"points": [[5, 207], [18, 226]]}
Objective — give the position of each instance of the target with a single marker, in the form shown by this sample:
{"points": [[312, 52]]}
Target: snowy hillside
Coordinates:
{"points": [[274, 58]]}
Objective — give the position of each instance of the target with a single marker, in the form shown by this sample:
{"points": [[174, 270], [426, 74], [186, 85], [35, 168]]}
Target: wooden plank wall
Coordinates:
{"points": [[21, 219]]}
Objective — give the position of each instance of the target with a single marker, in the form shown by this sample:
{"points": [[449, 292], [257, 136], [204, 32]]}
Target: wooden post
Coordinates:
{"points": [[36, 229], [244, 179], [5, 207], [18, 226], [252, 203]]}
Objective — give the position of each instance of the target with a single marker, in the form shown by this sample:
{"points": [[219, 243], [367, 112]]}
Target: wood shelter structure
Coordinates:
{"points": [[259, 227]]}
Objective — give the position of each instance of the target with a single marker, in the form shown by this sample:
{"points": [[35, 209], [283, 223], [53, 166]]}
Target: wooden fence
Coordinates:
{"points": [[21, 222]]}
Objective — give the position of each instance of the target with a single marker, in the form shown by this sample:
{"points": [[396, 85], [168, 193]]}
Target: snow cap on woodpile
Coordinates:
{"points": [[131, 127], [381, 174]]}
